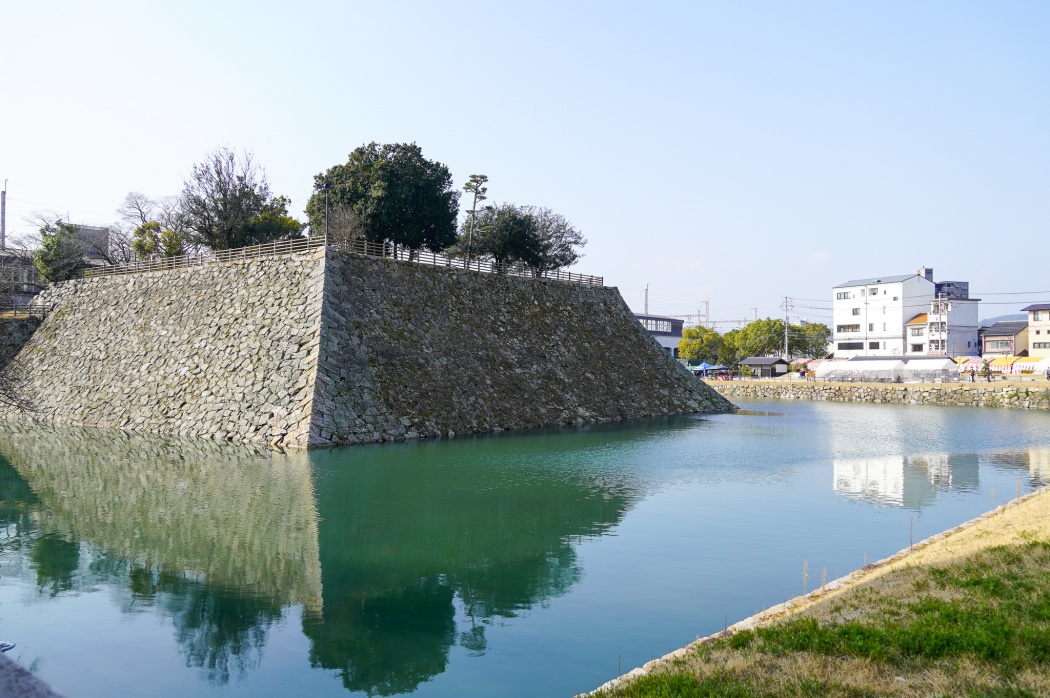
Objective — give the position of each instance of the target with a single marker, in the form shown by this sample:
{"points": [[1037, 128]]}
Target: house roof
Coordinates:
{"points": [[1037, 306], [763, 360], [919, 319], [1006, 328], [880, 280]]}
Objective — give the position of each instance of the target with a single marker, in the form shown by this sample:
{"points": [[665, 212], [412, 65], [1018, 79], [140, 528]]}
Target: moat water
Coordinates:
{"points": [[537, 564]]}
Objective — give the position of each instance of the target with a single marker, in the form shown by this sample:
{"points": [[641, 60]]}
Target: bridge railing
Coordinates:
{"points": [[359, 246]]}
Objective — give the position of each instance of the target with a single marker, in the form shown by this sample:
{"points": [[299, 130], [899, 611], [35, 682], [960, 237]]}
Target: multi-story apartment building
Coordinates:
{"points": [[870, 317], [1038, 329]]}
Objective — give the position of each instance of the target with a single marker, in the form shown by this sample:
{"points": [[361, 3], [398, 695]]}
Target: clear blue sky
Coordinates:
{"points": [[734, 153]]}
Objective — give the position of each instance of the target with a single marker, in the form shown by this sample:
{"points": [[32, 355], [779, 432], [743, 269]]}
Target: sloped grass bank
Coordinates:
{"points": [[968, 615]]}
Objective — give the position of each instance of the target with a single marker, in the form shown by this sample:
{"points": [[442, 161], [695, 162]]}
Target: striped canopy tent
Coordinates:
{"points": [[1032, 364], [1002, 364], [802, 361], [972, 363]]}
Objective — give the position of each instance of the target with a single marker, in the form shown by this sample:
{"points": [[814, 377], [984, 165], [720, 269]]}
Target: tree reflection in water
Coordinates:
{"points": [[396, 554]]}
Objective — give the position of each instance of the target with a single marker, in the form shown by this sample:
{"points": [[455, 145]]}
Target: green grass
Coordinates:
{"points": [[988, 615]]}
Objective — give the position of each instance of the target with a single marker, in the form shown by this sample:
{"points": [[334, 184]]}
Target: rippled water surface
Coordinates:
{"points": [[533, 564]]}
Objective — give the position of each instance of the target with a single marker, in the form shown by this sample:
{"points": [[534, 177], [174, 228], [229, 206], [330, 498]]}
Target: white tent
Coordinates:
{"points": [[932, 369], [880, 370]]}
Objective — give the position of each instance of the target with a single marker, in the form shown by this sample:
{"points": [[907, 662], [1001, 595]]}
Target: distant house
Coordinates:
{"points": [[665, 330], [1038, 329], [766, 366], [1009, 338], [917, 334]]}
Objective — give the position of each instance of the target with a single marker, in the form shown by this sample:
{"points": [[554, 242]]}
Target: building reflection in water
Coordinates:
{"points": [[905, 481], [395, 554]]}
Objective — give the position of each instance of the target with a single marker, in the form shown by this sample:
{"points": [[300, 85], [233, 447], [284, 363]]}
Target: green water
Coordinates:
{"points": [[523, 565]]}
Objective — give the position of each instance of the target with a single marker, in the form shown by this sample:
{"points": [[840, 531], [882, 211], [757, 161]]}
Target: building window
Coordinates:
{"points": [[935, 345], [873, 291], [916, 331], [1041, 345], [916, 348], [997, 345], [884, 327], [873, 345], [656, 325], [1036, 315], [856, 311], [847, 328], [849, 346], [871, 327], [895, 298], [842, 296]]}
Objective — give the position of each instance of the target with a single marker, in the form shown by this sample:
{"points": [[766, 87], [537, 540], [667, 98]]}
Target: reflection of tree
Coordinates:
{"points": [[55, 559], [219, 629], [404, 532], [388, 644]]}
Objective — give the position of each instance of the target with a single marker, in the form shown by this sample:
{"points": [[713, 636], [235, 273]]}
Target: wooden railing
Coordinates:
{"points": [[436, 259], [356, 246], [33, 309], [270, 249]]}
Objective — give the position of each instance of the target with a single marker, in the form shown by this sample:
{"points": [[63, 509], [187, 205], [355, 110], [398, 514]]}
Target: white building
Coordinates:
{"points": [[665, 330], [870, 317]]}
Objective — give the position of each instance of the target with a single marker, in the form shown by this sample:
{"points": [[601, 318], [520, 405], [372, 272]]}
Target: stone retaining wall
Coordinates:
{"points": [[327, 348], [1034, 397]]}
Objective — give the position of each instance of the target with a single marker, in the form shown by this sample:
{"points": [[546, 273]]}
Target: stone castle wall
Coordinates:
{"points": [[327, 348], [1032, 397]]}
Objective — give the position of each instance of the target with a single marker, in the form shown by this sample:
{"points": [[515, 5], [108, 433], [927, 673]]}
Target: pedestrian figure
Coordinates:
{"points": [[1048, 373], [973, 375]]}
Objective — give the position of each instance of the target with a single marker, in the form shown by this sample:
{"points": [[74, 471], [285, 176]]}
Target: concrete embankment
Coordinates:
{"points": [[326, 348], [1027, 396]]}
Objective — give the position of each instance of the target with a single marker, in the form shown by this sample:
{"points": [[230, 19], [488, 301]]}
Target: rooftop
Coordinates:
{"points": [[1006, 328], [880, 280], [919, 319], [1037, 306]]}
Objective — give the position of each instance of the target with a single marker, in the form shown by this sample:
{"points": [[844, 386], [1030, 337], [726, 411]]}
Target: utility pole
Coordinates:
{"points": [[3, 217], [647, 299], [787, 307], [703, 317]]}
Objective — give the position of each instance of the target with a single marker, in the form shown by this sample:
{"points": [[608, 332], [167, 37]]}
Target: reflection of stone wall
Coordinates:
{"points": [[329, 348], [964, 394], [235, 515]]}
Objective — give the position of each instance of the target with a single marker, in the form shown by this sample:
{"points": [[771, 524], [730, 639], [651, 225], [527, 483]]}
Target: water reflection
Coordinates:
{"points": [[407, 537], [914, 482], [218, 539], [400, 555]]}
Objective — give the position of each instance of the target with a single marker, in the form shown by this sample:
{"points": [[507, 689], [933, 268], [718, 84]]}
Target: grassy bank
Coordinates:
{"points": [[965, 615]]}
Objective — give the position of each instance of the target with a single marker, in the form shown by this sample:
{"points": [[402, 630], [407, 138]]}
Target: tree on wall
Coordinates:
{"points": [[477, 191], [226, 203], [508, 234], [559, 241], [60, 256], [396, 194]]}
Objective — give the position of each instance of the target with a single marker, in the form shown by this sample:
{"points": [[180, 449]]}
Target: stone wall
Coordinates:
{"points": [[1018, 396], [328, 348], [15, 332], [413, 350], [224, 351]]}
